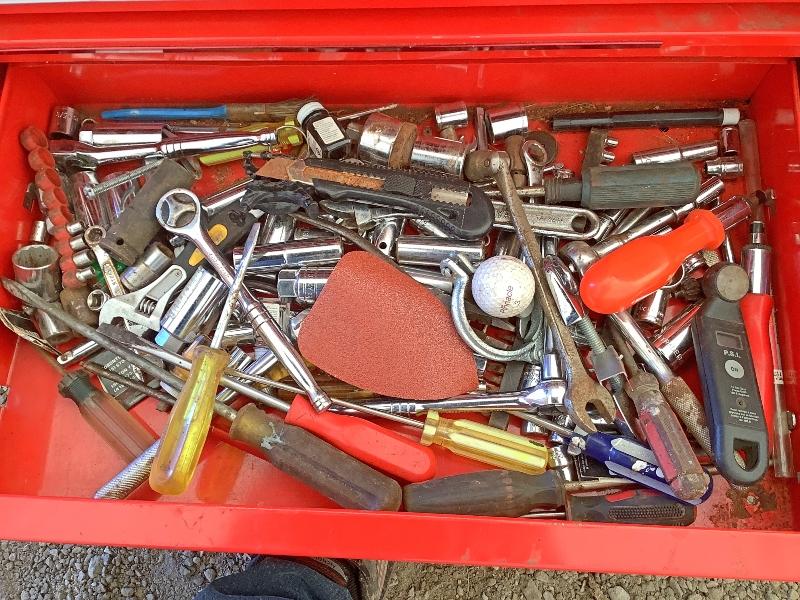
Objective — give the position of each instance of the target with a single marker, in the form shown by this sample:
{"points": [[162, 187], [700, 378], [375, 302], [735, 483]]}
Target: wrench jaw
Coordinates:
{"points": [[595, 395]]}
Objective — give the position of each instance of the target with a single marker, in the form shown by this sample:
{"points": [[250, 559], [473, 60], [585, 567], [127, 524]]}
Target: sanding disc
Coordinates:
{"points": [[376, 328]]}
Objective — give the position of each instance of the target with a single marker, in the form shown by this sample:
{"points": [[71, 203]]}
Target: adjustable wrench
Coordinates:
{"points": [[142, 309], [582, 390], [179, 212]]}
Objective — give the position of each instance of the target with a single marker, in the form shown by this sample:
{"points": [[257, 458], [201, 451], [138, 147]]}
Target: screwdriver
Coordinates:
{"points": [[189, 421], [116, 426], [662, 429], [382, 448], [620, 455], [498, 493], [467, 438], [510, 494], [636, 507], [333, 473]]}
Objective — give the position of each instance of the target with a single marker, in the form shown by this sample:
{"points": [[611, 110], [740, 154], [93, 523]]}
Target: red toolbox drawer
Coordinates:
{"points": [[412, 52]]}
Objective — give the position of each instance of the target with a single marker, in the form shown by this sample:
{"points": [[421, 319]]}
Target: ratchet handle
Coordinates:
{"points": [[756, 313], [334, 474], [640, 267], [382, 448]]}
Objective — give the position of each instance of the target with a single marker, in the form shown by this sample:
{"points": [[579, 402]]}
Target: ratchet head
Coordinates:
{"points": [[178, 211], [550, 392]]}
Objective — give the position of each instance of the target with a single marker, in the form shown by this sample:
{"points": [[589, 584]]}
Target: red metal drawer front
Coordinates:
{"points": [[592, 29]]}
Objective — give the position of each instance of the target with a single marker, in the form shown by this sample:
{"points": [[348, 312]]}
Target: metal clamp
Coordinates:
{"points": [[460, 270]]}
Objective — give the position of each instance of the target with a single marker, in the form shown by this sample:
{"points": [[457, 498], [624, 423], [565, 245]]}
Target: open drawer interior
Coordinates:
{"points": [[48, 450]]}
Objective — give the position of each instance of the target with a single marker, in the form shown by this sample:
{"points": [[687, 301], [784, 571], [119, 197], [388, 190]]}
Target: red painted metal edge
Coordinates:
{"points": [[673, 29], [400, 536]]}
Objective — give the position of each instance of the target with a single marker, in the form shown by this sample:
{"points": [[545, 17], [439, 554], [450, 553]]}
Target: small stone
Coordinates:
{"points": [[484, 596], [12, 556], [210, 574], [126, 592], [491, 581], [548, 595], [618, 593], [771, 596], [196, 560], [543, 576], [150, 597], [185, 571], [695, 597], [198, 580], [716, 593], [95, 565], [410, 594], [794, 595], [24, 595], [532, 591]]}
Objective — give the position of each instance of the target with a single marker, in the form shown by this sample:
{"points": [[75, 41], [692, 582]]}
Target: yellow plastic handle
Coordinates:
{"points": [[485, 444], [188, 425]]}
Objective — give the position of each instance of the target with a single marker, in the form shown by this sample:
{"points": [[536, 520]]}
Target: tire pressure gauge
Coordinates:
{"points": [[733, 405]]}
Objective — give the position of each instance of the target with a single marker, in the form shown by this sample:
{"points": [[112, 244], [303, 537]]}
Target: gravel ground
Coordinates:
{"points": [[53, 572]]}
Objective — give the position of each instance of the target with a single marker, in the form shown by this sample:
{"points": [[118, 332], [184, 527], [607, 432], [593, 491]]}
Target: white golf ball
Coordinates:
{"points": [[503, 286]]}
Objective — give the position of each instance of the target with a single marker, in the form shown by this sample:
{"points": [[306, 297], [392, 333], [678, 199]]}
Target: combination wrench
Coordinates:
{"points": [[179, 212], [582, 391]]}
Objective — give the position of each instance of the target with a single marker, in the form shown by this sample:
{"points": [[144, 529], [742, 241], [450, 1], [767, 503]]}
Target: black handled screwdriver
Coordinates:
{"points": [[503, 493]]}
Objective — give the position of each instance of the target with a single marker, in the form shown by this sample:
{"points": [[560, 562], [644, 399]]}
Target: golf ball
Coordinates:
{"points": [[503, 286]]}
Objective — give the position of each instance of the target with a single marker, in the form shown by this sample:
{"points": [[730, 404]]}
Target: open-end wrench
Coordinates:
{"points": [[582, 390], [93, 235], [179, 212]]}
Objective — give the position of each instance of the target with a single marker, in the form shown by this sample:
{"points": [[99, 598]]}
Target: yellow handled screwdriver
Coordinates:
{"points": [[190, 419], [467, 438]]}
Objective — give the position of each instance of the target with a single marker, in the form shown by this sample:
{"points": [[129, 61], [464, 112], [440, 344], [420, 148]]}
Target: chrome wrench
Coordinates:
{"points": [[179, 212], [582, 390], [92, 236]]}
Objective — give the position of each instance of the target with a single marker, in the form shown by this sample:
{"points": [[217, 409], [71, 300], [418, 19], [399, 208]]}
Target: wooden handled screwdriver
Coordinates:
{"points": [[510, 494]]}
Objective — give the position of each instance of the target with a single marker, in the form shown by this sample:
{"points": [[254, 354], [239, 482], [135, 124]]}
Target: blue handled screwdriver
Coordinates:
{"points": [[622, 456]]}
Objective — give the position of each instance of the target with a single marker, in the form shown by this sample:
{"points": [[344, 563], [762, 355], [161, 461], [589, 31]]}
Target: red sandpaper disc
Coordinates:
{"points": [[376, 328]]}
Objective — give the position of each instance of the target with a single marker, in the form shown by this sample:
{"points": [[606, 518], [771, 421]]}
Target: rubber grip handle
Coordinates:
{"points": [[334, 474], [165, 114], [637, 186], [489, 493], [642, 507], [382, 448], [756, 313], [637, 269]]}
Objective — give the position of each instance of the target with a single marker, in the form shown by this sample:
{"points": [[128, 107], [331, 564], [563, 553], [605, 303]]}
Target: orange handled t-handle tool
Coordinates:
{"points": [[640, 267]]}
